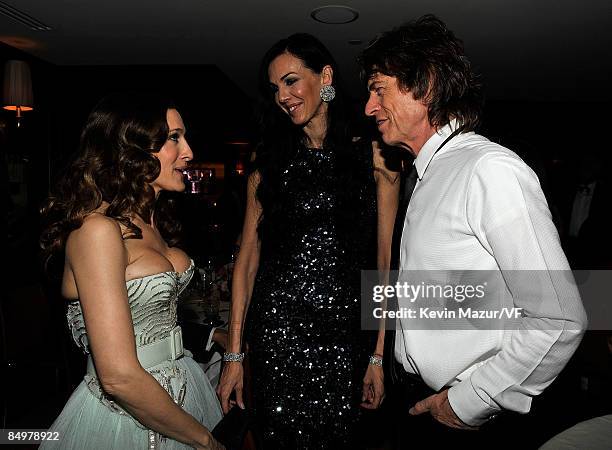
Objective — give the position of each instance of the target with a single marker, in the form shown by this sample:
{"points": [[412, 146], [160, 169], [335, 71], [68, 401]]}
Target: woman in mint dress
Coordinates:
{"points": [[122, 277]]}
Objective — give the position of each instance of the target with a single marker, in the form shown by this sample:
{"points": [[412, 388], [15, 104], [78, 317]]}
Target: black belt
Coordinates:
{"points": [[404, 377]]}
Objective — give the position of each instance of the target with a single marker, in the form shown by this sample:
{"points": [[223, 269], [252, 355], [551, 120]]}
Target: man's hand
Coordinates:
{"points": [[440, 409], [373, 387]]}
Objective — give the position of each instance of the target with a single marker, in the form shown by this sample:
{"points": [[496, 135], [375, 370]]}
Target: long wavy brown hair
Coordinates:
{"points": [[114, 164]]}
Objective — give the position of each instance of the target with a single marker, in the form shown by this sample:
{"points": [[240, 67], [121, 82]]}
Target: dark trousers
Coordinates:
{"points": [[508, 430]]}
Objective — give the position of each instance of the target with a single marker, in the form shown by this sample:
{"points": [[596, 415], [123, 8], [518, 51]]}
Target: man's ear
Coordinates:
{"points": [[327, 75]]}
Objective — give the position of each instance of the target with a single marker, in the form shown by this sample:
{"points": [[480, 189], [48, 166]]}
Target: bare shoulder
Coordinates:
{"points": [[254, 178], [377, 152], [96, 237], [96, 246], [381, 170], [97, 226], [253, 182]]}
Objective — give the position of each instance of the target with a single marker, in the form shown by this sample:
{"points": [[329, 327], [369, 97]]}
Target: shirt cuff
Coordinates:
{"points": [[209, 342], [469, 406]]}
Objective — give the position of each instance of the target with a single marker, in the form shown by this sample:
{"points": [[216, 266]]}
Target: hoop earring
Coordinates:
{"points": [[327, 93]]}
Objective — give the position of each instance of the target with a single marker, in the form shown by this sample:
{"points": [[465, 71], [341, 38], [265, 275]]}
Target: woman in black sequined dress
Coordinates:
{"points": [[310, 228]]}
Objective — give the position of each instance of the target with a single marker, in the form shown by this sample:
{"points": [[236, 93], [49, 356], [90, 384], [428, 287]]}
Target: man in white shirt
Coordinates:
{"points": [[476, 206]]}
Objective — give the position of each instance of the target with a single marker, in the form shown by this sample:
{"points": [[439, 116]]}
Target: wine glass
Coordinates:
{"points": [[211, 294], [194, 178]]}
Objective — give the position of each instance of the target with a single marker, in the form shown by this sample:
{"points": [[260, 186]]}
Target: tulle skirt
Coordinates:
{"points": [[90, 420]]}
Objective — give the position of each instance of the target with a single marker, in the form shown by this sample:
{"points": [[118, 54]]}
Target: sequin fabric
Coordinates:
{"points": [[308, 353]]}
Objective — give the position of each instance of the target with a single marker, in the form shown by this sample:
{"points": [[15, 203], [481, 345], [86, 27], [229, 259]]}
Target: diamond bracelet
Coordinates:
{"points": [[376, 360], [233, 357]]}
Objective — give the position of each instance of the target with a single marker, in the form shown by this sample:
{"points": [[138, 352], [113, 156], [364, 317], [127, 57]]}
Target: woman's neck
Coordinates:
{"points": [[138, 220], [316, 129]]}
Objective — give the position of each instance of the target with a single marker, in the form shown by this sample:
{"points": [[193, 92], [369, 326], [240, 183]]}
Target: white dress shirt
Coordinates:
{"points": [[478, 206]]}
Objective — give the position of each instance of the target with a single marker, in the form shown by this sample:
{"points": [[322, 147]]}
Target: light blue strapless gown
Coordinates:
{"points": [[92, 420]]}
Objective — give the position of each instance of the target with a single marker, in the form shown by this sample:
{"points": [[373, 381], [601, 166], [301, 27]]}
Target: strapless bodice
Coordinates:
{"points": [[153, 301]]}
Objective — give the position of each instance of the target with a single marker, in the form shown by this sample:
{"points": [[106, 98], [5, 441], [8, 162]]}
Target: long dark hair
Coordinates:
{"points": [[429, 61], [280, 138], [113, 164]]}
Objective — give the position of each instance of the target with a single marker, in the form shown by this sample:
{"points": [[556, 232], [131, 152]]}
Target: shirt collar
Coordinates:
{"points": [[430, 147]]}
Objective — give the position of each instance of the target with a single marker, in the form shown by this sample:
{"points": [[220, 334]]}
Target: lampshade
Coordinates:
{"points": [[17, 87]]}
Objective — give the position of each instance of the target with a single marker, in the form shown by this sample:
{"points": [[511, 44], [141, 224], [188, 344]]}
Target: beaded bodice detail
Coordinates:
{"points": [[153, 301]]}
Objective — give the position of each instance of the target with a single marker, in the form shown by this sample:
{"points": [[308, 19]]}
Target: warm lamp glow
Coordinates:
{"points": [[17, 88], [240, 168], [18, 108]]}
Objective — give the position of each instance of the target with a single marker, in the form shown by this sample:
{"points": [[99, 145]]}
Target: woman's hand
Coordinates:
{"points": [[232, 380], [211, 444], [373, 387]]}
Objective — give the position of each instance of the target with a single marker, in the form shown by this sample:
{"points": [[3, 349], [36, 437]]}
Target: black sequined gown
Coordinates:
{"points": [[308, 353]]}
